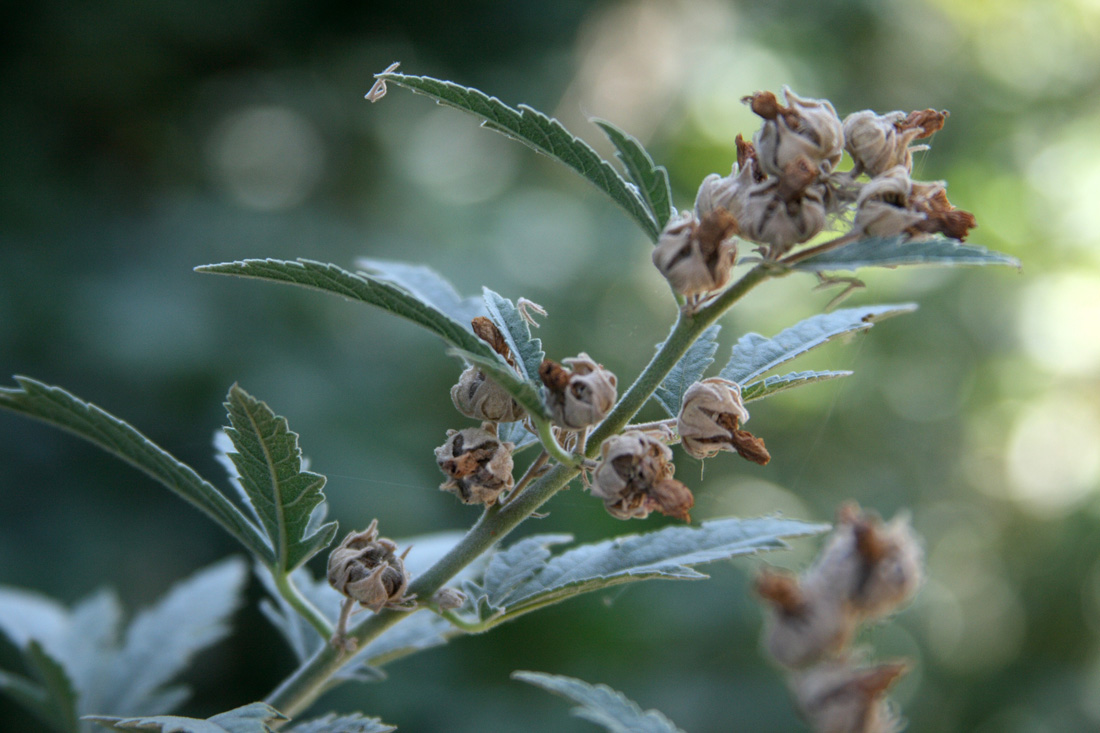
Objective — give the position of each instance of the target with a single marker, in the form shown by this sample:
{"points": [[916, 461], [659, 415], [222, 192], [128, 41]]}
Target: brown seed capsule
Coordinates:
{"points": [[634, 477], [481, 398], [839, 697], [728, 193], [877, 143], [882, 208], [779, 214], [805, 623], [364, 568], [478, 465], [580, 393], [696, 255], [710, 419], [806, 127]]}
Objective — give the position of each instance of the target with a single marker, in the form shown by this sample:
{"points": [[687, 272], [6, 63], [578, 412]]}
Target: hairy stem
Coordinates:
{"points": [[310, 680], [302, 605]]}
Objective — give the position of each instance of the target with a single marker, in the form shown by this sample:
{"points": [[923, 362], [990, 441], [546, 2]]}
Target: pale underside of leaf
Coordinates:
{"points": [[253, 718], [903, 250], [776, 384], [700, 355], [332, 723], [651, 179], [754, 354], [536, 130], [427, 285], [601, 705], [61, 409]]}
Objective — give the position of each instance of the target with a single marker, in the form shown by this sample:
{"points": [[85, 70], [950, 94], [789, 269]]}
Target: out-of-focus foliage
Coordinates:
{"points": [[140, 140]]}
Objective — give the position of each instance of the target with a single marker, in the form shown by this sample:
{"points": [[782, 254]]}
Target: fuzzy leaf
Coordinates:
{"points": [[252, 718], [427, 285], [526, 576], [362, 287], [901, 250], [269, 463], [536, 130], [58, 690], [331, 723], [515, 432], [526, 350], [754, 354], [601, 705], [57, 407], [524, 392], [650, 178], [776, 384], [686, 372]]}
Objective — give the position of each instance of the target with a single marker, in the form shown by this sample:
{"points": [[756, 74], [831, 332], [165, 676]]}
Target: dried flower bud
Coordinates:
{"points": [[716, 192], [776, 216], [877, 143], [696, 256], [838, 697], [882, 208], [634, 477], [805, 624], [579, 394], [876, 568], [364, 568], [481, 398], [479, 465], [449, 599], [710, 418], [806, 127]]}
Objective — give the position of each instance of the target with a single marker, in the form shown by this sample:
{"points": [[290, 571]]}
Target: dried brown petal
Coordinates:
{"points": [[364, 568], [481, 398], [696, 256], [634, 477], [806, 127], [487, 331], [580, 393], [478, 465], [839, 697], [941, 217], [710, 418]]}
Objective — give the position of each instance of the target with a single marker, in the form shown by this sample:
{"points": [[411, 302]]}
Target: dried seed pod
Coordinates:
{"points": [[876, 568], [804, 624], [364, 568], [478, 465], [481, 398], [877, 143], [839, 697], [728, 193], [805, 127], [580, 393], [696, 256], [634, 477], [710, 418], [882, 208], [780, 214]]}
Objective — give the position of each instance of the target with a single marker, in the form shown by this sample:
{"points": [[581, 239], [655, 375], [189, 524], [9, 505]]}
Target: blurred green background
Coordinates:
{"points": [[142, 139]]}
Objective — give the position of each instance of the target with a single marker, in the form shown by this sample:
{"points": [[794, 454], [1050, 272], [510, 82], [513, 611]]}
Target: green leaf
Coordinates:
{"points": [[601, 705], [536, 130], [526, 576], [754, 354], [252, 718], [57, 407], [427, 285], [269, 463], [58, 688], [686, 372], [331, 723], [362, 287], [776, 384], [524, 392], [901, 250], [527, 351], [650, 178]]}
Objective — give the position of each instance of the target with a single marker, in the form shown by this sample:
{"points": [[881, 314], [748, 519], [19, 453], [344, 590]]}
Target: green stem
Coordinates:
{"points": [[302, 605], [307, 683], [550, 443]]}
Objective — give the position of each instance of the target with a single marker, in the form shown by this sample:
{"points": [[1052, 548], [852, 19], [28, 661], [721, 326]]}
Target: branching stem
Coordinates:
{"points": [[302, 605]]}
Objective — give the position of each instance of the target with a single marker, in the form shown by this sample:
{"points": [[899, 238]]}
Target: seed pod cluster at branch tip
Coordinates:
{"points": [[478, 465], [634, 478], [580, 392], [365, 568], [709, 422]]}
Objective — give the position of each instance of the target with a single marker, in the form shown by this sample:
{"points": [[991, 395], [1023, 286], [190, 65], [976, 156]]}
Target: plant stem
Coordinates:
{"points": [[302, 605], [310, 680]]}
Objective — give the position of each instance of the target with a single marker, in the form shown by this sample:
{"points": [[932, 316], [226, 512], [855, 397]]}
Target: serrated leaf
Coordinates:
{"points": [[776, 384], [686, 372], [526, 576], [269, 463], [527, 351], [524, 392], [601, 705], [427, 285], [61, 409], [754, 354], [902, 250], [58, 688], [650, 178], [331, 723], [362, 287], [252, 718], [536, 130]]}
